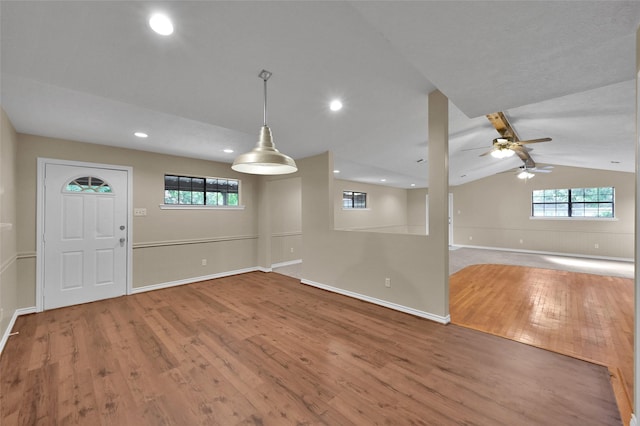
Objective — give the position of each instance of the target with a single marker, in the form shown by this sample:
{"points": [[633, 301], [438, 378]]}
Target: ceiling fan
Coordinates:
{"points": [[509, 143], [526, 173]]}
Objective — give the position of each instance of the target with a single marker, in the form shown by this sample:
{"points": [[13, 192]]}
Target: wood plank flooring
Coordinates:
{"points": [[263, 349], [581, 315]]}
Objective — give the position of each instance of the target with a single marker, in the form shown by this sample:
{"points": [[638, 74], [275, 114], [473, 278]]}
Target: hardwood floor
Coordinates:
{"points": [[582, 315], [264, 349]]}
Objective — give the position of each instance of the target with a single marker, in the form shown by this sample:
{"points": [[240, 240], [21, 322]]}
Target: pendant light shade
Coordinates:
{"points": [[264, 159]]}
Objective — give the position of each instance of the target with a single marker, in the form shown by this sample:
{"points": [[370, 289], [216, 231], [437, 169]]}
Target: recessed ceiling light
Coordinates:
{"points": [[161, 24], [413, 184], [141, 134], [383, 180], [228, 151], [336, 171], [335, 105]]}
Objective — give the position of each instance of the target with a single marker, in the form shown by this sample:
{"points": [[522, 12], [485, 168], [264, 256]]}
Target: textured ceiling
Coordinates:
{"points": [[95, 72]]}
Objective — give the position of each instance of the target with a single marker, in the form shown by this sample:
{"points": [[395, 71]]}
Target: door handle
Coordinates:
{"points": [[122, 240]]}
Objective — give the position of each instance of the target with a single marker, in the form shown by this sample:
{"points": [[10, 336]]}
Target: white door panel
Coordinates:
{"points": [[105, 266], [84, 257], [72, 217]]}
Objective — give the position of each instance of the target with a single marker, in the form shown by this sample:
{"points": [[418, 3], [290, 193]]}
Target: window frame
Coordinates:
{"points": [[102, 188], [204, 192], [570, 201], [354, 204]]}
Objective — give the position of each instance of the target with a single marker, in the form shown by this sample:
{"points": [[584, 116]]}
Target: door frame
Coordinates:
{"points": [[40, 210], [450, 219]]}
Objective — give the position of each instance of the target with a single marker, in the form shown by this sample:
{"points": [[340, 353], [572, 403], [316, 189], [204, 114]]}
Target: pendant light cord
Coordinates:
{"points": [[265, 102]]}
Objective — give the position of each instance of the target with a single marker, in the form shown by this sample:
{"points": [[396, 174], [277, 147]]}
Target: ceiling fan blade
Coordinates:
{"points": [[473, 149], [535, 141], [501, 124], [543, 169]]}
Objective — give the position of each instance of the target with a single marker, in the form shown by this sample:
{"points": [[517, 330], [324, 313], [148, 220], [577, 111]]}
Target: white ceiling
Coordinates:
{"points": [[95, 72]]}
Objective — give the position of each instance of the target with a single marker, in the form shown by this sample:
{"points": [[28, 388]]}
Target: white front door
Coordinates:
{"points": [[85, 234]]}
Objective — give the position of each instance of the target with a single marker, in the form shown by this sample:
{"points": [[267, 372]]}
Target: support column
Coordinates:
{"points": [[636, 334], [438, 146]]}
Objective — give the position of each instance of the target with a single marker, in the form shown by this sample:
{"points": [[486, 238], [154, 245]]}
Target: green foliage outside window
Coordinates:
{"points": [[88, 184], [574, 202]]}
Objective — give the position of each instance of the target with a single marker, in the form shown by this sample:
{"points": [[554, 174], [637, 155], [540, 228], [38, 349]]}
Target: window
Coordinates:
{"points": [[88, 184], [200, 191], [354, 200], [575, 202]]}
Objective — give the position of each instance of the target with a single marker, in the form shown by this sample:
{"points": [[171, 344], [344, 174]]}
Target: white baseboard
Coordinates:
{"points": [[159, 286], [288, 263], [380, 302], [14, 317], [548, 253], [633, 421]]}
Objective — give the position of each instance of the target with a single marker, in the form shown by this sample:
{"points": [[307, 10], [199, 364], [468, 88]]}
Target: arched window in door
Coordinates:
{"points": [[90, 184]]}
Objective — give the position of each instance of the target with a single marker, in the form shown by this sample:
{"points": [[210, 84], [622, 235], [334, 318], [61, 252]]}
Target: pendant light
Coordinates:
{"points": [[264, 159]]}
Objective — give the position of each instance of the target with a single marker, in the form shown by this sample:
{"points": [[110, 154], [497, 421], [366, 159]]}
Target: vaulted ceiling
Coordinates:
{"points": [[95, 72]]}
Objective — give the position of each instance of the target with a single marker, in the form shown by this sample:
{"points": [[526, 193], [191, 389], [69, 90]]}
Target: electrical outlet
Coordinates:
{"points": [[291, 249], [139, 211], [470, 238], [521, 241], [204, 262], [596, 245], [387, 282]]}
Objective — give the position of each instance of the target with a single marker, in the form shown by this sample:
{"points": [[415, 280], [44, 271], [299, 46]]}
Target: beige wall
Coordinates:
{"points": [[168, 245], [357, 263], [8, 242], [495, 212], [285, 203], [386, 208], [417, 209]]}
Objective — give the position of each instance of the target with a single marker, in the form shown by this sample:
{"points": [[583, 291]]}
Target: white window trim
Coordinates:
{"points": [[578, 218], [201, 206], [197, 207], [583, 218], [355, 208]]}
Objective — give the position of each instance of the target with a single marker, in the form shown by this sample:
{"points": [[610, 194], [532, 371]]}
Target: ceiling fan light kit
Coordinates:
{"points": [[509, 143], [525, 175], [502, 153], [264, 158]]}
